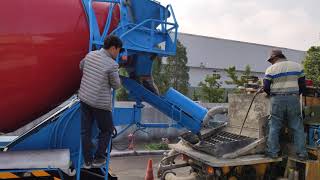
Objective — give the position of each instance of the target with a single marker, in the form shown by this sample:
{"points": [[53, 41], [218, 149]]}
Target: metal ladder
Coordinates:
{"points": [[139, 32]]}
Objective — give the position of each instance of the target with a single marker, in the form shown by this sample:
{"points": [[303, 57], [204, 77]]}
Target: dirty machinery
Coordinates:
{"points": [[52, 142], [235, 149]]}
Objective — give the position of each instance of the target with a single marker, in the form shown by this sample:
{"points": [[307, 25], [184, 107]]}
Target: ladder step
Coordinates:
{"points": [[40, 173], [8, 175]]}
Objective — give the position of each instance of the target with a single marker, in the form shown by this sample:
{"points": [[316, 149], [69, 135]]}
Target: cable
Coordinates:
{"points": [[245, 119]]}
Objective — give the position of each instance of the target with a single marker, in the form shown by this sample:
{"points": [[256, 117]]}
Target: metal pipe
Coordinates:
{"points": [[35, 159], [212, 112]]}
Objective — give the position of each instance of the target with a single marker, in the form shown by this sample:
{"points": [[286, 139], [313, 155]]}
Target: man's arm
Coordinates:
{"points": [[114, 78], [267, 80], [302, 83], [266, 85]]}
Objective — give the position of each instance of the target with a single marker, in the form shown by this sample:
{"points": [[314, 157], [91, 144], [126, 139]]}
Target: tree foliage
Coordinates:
{"points": [[121, 93], [210, 89], [312, 65], [160, 78], [195, 95], [175, 73], [235, 79], [177, 69]]}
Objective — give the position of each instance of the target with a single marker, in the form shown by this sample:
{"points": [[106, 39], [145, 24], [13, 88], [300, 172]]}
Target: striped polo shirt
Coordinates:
{"points": [[284, 76]]}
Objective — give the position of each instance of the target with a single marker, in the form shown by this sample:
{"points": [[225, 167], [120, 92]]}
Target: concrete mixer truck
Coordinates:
{"points": [[41, 45]]}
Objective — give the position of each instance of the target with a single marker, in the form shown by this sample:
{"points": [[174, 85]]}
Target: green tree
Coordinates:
{"points": [[235, 79], [210, 89], [177, 70], [195, 95], [121, 93], [247, 71], [161, 79], [312, 65]]}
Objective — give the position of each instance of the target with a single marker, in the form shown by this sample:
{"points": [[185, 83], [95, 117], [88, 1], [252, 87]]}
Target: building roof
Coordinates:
{"points": [[210, 52]]}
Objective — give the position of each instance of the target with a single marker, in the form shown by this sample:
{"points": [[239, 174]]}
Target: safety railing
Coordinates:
{"points": [[127, 30]]}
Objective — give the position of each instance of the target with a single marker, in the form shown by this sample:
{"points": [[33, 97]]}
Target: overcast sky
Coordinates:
{"points": [[286, 23]]}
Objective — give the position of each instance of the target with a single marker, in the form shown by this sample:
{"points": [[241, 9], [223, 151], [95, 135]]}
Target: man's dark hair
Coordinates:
{"points": [[112, 40]]}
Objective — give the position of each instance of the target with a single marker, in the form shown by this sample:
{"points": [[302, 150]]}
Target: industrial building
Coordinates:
{"points": [[209, 54]]}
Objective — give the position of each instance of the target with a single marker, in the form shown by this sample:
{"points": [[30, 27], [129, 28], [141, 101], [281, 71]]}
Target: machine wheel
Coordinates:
{"points": [[165, 173]]}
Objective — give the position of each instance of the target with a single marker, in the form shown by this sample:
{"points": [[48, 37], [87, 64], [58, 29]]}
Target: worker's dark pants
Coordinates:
{"points": [[104, 122], [286, 108]]}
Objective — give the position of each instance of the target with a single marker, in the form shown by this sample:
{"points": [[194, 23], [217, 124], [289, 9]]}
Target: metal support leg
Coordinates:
{"points": [[79, 161], [108, 159]]}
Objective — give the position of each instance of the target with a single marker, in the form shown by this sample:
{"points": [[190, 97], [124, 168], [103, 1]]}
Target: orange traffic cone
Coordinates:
{"points": [[149, 173]]}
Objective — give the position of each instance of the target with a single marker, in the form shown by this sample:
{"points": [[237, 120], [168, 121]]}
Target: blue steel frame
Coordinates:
{"points": [[127, 28], [61, 132], [153, 26]]}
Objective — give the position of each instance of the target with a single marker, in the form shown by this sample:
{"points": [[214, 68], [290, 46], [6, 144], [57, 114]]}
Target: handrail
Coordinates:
{"points": [[144, 22], [173, 15], [124, 29]]}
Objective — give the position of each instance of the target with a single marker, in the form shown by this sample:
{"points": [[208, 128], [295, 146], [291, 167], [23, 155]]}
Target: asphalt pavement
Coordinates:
{"points": [[134, 167]]}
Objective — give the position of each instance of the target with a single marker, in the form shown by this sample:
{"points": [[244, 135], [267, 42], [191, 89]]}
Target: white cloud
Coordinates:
{"points": [[290, 24]]}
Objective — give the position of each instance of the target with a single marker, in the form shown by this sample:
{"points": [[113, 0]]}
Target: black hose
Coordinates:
{"points": [[114, 133], [245, 119]]}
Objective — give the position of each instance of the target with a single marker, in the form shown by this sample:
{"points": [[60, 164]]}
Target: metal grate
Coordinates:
{"points": [[225, 137], [218, 143]]}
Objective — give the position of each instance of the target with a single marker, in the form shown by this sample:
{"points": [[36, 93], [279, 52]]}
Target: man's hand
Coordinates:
{"points": [[260, 90]]}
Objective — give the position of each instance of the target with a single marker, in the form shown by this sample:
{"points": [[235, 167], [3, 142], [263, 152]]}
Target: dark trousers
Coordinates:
{"points": [[104, 122]]}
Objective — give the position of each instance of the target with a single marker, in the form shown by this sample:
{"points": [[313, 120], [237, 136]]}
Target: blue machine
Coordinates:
{"points": [[312, 122], [175, 109], [314, 136], [146, 32]]}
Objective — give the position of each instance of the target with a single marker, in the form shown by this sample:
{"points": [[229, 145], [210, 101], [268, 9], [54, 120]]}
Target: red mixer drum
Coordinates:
{"points": [[41, 45]]}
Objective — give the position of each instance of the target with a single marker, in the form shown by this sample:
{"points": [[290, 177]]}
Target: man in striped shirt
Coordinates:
{"points": [[284, 81], [100, 75]]}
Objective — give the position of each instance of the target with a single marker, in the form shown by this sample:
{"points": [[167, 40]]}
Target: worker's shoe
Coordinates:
{"points": [[302, 157], [272, 156], [87, 165], [98, 162]]}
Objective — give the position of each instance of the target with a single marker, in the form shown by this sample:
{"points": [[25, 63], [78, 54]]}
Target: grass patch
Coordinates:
{"points": [[157, 146]]}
